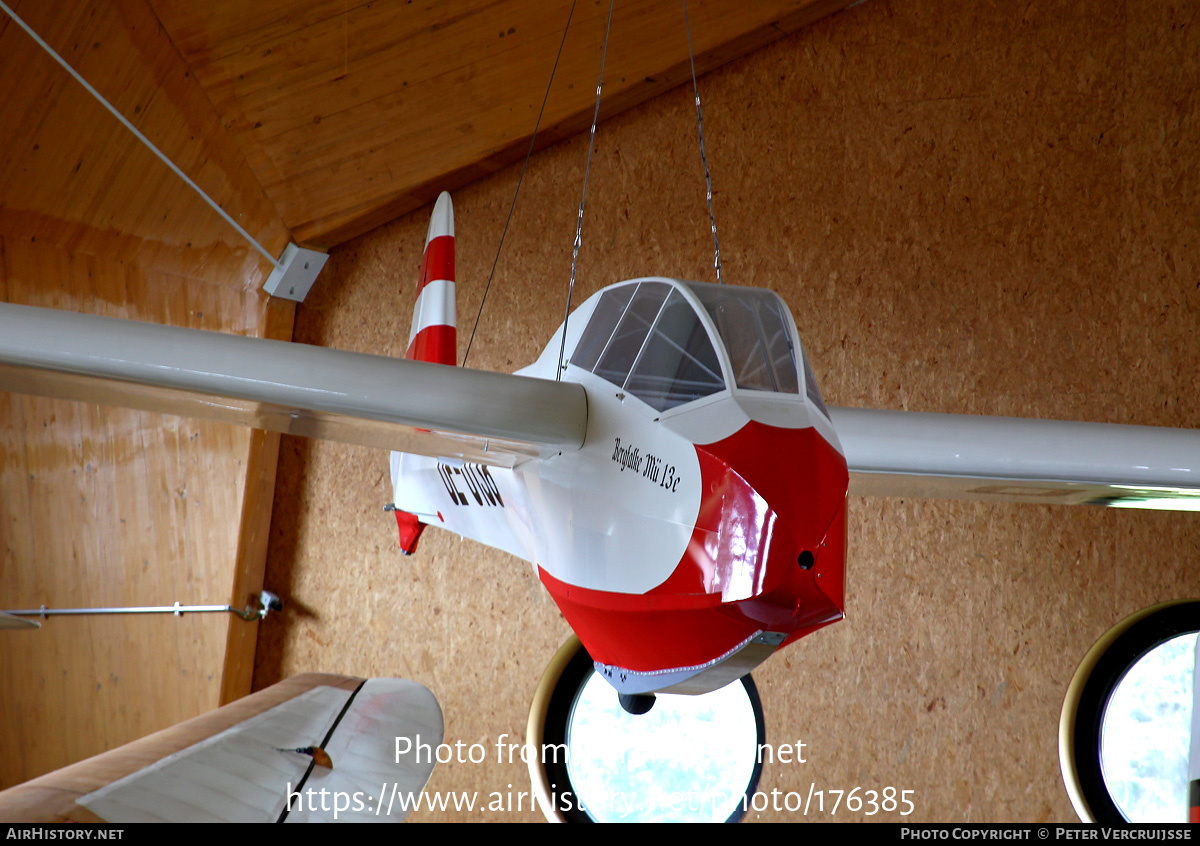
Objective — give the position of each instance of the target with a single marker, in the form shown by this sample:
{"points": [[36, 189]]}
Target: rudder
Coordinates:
{"points": [[434, 333]]}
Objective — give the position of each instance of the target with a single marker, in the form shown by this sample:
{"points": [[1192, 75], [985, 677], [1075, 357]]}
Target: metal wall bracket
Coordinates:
{"points": [[295, 274]]}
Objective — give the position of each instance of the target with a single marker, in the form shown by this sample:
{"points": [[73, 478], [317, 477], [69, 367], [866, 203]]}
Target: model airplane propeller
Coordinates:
{"points": [[667, 463]]}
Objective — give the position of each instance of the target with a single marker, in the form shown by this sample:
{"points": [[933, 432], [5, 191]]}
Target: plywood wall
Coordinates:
{"points": [[104, 507], [974, 207], [107, 507]]}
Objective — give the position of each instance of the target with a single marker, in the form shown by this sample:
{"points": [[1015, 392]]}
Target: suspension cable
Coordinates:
{"points": [[703, 158], [587, 171], [520, 179]]}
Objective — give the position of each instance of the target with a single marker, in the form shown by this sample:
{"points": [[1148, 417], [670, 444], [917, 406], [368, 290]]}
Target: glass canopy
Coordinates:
{"points": [[648, 339]]}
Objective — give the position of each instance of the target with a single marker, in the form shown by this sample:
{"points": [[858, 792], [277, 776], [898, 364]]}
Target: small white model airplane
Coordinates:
{"points": [[674, 476]]}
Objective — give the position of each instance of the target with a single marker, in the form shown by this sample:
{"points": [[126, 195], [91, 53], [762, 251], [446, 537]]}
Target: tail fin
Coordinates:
{"points": [[434, 335]]}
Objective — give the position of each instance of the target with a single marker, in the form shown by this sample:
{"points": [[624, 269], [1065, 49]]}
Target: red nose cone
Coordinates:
{"points": [[767, 554]]}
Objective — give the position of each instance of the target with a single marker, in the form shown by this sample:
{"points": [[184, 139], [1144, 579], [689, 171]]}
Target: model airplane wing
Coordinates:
{"points": [[312, 748], [501, 419], [411, 406], [898, 453]]}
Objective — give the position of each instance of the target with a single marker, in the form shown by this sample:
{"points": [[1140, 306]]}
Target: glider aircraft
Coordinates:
{"points": [[667, 464]]}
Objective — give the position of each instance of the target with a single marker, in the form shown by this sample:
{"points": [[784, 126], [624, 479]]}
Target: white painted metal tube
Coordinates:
{"points": [[898, 453], [324, 387], [176, 609]]}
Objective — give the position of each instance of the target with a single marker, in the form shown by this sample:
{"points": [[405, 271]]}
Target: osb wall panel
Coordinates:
{"points": [[970, 208], [107, 507]]}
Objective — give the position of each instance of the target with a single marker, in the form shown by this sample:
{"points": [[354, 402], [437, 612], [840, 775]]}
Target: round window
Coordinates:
{"points": [[1126, 726], [1145, 733], [687, 759]]}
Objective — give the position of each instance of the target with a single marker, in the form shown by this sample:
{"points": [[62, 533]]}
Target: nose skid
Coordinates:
{"points": [[764, 567], [739, 661]]}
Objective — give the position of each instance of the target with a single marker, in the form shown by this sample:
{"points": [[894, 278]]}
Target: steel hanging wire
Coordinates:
{"points": [[587, 171], [520, 180], [703, 158]]}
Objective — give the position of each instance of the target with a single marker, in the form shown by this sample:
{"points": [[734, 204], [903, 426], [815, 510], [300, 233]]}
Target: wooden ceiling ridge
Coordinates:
{"points": [[353, 115], [79, 179], [314, 120]]}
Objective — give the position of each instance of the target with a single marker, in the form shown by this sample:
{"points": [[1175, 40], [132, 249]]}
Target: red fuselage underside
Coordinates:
{"points": [[768, 496]]}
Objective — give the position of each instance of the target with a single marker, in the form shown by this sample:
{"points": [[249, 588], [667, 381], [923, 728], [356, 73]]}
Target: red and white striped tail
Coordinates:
{"points": [[434, 335]]}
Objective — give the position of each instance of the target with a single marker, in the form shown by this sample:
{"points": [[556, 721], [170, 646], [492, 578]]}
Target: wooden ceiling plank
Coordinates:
{"points": [[474, 114], [90, 172], [370, 155], [23, 113], [215, 30], [222, 173], [176, 113], [475, 73], [356, 59], [345, 111]]}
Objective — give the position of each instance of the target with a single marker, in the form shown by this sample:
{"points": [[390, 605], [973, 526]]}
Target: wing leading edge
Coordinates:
{"points": [[411, 406], [900, 453], [501, 419]]}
